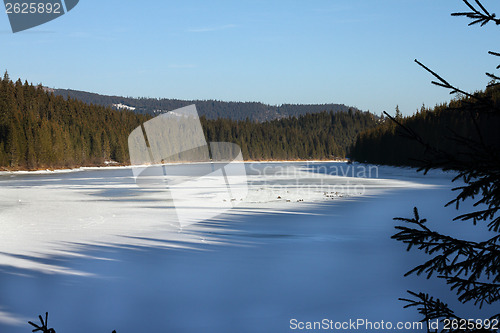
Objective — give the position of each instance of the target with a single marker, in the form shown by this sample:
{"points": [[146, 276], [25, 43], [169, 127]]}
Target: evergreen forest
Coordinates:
{"points": [[40, 130], [457, 128]]}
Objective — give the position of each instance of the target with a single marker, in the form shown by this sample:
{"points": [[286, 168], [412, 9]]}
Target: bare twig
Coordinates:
{"points": [[479, 15]]}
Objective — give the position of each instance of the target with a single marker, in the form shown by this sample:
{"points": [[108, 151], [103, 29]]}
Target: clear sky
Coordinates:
{"points": [[354, 52]]}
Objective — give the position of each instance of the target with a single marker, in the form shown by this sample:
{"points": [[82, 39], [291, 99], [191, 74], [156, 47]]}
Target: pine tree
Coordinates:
{"points": [[471, 268]]}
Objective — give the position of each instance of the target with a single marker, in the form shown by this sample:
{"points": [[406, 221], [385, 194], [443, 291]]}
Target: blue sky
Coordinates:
{"points": [[357, 52]]}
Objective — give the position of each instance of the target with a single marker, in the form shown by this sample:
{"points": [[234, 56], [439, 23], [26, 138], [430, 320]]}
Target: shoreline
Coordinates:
{"points": [[110, 166]]}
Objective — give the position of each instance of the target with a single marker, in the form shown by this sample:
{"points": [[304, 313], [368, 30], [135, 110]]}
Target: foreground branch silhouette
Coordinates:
{"points": [[44, 328], [471, 269]]}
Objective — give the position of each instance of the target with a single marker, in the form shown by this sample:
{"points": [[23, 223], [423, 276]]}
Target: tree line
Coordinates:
{"points": [[456, 128], [324, 135], [462, 136], [39, 129]]}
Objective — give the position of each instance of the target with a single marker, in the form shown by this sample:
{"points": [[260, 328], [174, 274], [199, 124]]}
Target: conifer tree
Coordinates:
{"points": [[470, 268]]}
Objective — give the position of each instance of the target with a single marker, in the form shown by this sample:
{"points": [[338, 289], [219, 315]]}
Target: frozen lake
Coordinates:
{"points": [[309, 242]]}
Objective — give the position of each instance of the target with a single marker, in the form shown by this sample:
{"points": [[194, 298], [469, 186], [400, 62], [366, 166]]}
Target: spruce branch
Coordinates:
{"points": [[433, 308], [443, 83], [471, 268], [44, 327], [429, 307], [478, 15]]}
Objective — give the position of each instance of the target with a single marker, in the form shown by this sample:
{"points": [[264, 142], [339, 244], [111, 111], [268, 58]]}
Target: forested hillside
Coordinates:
{"points": [[41, 130], [324, 135], [38, 129], [387, 144], [211, 109]]}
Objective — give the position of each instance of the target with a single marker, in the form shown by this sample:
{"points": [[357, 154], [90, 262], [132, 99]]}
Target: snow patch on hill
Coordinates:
{"points": [[123, 106]]}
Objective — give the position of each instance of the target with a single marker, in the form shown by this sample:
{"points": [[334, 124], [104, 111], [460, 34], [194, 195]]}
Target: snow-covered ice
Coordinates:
{"points": [[308, 240]]}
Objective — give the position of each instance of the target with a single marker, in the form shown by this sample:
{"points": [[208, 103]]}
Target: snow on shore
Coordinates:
{"points": [[43, 213], [309, 240]]}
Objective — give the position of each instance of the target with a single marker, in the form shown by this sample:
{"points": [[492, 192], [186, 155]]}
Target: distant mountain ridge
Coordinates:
{"points": [[211, 109], [40, 130]]}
